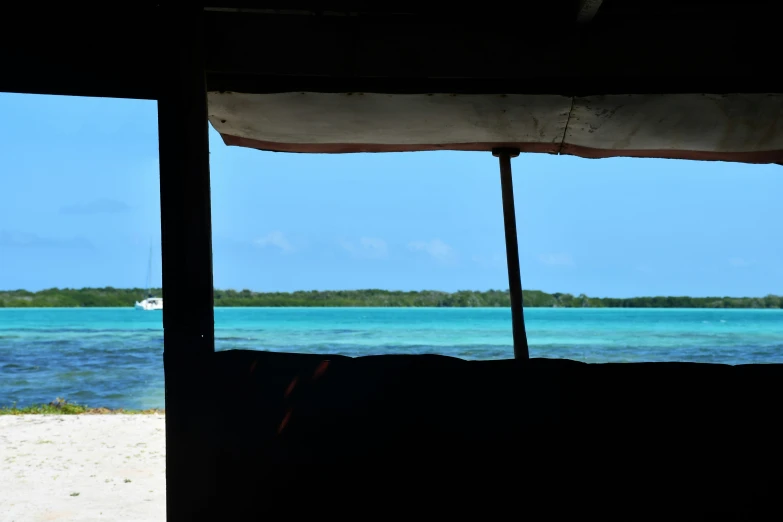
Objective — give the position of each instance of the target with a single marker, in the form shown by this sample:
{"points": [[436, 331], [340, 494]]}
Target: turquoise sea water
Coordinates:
{"points": [[113, 357]]}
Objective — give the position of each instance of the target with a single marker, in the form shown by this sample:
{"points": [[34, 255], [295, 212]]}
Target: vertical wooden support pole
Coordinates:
{"points": [[512, 252], [186, 227]]}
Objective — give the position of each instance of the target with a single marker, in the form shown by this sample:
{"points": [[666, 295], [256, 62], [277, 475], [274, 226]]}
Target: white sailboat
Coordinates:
{"points": [[150, 302]]}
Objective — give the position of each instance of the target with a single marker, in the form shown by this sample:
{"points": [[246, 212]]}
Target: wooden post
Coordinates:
{"points": [[186, 228], [512, 252]]}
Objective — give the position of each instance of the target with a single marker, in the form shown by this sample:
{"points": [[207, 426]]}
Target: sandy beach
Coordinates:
{"points": [[82, 468]]}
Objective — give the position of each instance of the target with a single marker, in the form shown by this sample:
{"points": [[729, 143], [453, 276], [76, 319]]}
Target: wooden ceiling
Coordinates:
{"points": [[580, 50], [525, 48]]}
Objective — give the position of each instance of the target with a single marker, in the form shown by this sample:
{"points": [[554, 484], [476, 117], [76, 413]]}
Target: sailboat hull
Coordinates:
{"points": [[153, 303]]}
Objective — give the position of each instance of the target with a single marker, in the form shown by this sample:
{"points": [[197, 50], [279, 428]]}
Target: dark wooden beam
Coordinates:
{"points": [[539, 10], [764, 82], [114, 52], [417, 54], [80, 51], [188, 314]]}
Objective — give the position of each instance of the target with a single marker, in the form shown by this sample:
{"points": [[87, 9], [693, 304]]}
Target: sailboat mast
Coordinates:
{"points": [[149, 275]]}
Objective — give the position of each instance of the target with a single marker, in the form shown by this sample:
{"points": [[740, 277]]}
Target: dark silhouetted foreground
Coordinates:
{"points": [[552, 439]]}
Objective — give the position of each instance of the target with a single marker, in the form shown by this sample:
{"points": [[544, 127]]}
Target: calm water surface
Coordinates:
{"points": [[113, 357]]}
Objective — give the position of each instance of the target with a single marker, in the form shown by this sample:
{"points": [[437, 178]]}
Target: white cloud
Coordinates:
{"points": [[436, 248], [368, 248], [738, 261], [275, 239], [556, 259]]}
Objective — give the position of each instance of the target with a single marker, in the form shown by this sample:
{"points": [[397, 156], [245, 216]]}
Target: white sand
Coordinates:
{"points": [[82, 468]]}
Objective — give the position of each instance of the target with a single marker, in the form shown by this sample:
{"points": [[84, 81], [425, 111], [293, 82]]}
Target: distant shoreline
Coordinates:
{"points": [[527, 307], [124, 298]]}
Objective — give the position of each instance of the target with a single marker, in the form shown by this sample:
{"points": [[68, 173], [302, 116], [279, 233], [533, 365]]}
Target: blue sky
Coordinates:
{"points": [[79, 207]]}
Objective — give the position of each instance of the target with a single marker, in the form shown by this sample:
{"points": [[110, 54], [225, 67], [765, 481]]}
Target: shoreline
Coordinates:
{"points": [[61, 406], [526, 307], [377, 298]]}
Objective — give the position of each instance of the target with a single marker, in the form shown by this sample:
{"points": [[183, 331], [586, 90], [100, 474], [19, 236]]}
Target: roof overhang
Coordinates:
{"points": [[727, 127], [584, 77]]}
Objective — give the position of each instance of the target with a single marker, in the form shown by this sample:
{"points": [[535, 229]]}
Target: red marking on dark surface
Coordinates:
{"points": [[291, 386], [320, 369], [284, 422], [253, 366]]}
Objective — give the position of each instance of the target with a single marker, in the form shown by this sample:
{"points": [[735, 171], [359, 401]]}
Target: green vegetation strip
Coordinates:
{"points": [[122, 298], [62, 407]]}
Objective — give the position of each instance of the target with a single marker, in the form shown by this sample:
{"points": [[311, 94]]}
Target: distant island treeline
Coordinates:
{"points": [[119, 297]]}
